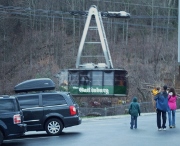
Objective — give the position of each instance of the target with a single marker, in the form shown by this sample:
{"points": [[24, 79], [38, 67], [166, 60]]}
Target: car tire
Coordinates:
{"points": [[1, 138], [53, 126]]}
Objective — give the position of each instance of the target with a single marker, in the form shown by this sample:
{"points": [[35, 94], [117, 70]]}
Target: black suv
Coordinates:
{"points": [[11, 118], [43, 110]]}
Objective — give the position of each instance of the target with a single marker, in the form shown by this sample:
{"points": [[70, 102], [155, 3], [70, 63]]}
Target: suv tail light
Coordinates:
{"points": [[17, 119], [72, 110]]}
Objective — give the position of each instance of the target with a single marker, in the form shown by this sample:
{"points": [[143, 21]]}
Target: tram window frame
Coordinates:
{"points": [[108, 78], [74, 76], [97, 79], [84, 78], [119, 78]]}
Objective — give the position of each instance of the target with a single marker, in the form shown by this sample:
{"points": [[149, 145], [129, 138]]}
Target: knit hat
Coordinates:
{"points": [[165, 87], [134, 99]]}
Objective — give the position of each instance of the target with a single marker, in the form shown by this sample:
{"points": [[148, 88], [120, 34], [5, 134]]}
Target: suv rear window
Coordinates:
{"points": [[29, 101], [53, 99], [7, 106], [72, 98]]}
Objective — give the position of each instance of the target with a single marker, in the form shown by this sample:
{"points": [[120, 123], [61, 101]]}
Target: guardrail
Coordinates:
{"points": [[146, 107]]}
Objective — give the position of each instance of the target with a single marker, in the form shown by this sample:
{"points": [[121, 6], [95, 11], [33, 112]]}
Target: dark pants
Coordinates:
{"points": [[133, 122], [159, 114]]}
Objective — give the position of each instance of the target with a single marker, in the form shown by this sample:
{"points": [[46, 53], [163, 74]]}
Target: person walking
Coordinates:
{"points": [[161, 108], [134, 110], [172, 98]]}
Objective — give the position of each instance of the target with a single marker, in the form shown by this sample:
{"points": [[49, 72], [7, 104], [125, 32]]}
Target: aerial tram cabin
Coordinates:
{"points": [[100, 82], [90, 79]]}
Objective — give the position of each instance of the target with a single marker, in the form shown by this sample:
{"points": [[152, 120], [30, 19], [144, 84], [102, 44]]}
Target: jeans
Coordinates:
{"points": [[171, 116], [159, 114], [133, 122]]}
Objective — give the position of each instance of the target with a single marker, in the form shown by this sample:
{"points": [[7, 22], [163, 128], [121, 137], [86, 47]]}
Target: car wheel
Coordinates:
{"points": [[53, 126], [1, 138]]}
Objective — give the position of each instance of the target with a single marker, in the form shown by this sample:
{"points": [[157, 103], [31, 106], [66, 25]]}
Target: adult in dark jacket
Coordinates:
{"points": [[161, 108], [134, 111]]}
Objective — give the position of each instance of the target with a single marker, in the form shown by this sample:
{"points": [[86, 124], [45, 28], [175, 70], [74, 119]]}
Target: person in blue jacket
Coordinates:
{"points": [[134, 110], [161, 108]]}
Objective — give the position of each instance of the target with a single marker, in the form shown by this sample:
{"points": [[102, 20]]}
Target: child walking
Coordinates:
{"points": [[134, 111]]}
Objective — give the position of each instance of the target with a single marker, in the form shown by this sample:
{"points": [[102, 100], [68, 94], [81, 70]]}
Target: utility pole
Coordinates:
{"points": [[179, 35], [177, 77]]}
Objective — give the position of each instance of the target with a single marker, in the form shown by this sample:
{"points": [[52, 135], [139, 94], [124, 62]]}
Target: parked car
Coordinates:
{"points": [[11, 118], [46, 109]]}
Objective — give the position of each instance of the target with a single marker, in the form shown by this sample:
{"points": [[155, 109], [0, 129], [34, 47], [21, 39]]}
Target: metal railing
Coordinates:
{"points": [[146, 107]]}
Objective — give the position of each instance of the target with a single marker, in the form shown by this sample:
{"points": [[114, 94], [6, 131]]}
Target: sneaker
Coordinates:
{"points": [[173, 126], [170, 126], [164, 129], [159, 129]]}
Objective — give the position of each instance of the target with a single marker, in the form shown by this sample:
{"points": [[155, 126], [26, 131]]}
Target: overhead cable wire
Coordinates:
{"points": [[26, 12], [29, 11]]}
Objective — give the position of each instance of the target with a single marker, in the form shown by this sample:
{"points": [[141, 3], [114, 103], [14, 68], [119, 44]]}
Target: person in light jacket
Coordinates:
{"points": [[172, 98]]}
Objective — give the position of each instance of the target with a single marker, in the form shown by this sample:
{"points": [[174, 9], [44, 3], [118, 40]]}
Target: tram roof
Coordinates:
{"points": [[97, 69]]}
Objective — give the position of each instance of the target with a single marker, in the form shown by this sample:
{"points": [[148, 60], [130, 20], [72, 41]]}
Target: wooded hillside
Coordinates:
{"points": [[38, 38]]}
